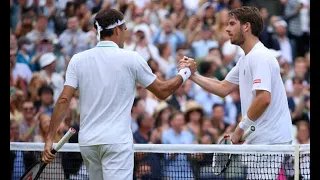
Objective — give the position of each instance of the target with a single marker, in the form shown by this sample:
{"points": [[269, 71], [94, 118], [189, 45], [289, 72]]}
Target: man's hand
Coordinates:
{"points": [[236, 136], [187, 62], [47, 156]]}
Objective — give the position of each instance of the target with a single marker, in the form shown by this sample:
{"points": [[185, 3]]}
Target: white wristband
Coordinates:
{"points": [[245, 123], [185, 73]]}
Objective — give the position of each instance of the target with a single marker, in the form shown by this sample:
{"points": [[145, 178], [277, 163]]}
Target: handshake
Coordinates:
{"points": [[186, 67]]}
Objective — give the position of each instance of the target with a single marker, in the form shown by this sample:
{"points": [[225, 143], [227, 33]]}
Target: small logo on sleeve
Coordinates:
{"points": [[256, 81], [185, 72]]}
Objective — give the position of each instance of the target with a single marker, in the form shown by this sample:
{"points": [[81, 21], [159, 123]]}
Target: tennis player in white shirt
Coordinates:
{"points": [[263, 97], [106, 76]]}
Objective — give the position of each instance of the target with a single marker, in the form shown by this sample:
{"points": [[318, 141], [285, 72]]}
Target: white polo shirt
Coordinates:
{"points": [[259, 70], [106, 77]]}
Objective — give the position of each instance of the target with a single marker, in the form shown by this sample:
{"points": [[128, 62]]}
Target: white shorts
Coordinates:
{"points": [[109, 161]]}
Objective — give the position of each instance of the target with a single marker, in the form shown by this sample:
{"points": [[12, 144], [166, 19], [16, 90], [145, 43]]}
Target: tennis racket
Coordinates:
{"points": [[33, 173], [221, 161]]}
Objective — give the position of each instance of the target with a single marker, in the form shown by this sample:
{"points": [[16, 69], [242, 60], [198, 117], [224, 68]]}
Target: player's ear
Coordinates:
{"points": [[247, 26], [116, 31]]}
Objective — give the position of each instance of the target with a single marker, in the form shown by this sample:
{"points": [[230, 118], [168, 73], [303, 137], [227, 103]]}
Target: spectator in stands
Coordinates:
{"points": [[40, 31], [73, 39], [25, 54], [44, 122], [300, 70], [46, 102], [150, 103], [61, 17], [303, 134], [220, 33], [297, 15], [219, 121], [284, 41], [142, 43], [166, 58], [29, 126], [178, 99], [207, 100], [24, 26], [179, 12], [17, 98], [167, 33], [53, 79], [137, 108], [194, 119], [267, 37], [21, 73], [161, 116], [142, 136], [177, 165], [297, 100], [201, 47], [83, 14]]}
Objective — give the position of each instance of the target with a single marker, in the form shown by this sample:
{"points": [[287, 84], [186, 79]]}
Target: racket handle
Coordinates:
{"points": [[250, 130], [63, 140]]}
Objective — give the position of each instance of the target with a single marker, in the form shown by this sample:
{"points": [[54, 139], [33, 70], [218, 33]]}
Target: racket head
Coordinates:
{"points": [[221, 161], [33, 171]]}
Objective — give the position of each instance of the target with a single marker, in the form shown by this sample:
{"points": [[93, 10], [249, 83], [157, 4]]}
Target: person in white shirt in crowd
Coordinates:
{"points": [[263, 98], [300, 70], [55, 80], [106, 77], [142, 43], [201, 47], [284, 41], [73, 39]]}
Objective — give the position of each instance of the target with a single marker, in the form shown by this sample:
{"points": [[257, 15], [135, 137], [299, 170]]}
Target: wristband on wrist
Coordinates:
{"points": [[185, 73], [245, 123]]}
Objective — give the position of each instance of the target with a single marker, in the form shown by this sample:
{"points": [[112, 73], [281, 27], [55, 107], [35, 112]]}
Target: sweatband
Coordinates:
{"points": [[185, 73], [245, 123]]}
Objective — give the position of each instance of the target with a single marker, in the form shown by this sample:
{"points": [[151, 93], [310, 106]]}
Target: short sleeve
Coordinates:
{"points": [[233, 75], [261, 74], [144, 75], [71, 74]]}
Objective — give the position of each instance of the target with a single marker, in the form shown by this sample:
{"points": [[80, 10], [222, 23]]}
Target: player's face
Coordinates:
{"points": [[235, 31]]}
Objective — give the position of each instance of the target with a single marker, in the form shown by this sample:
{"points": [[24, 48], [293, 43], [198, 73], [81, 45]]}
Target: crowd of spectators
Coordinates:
{"points": [[45, 34]]}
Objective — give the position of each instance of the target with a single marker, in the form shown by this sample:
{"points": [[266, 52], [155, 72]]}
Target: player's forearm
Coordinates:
{"points": [[258, 106], [170, 86], [58, 115], [211, 85]]}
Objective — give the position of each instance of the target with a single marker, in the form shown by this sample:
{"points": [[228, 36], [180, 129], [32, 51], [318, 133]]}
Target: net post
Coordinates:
{"points": [[296, 162]]}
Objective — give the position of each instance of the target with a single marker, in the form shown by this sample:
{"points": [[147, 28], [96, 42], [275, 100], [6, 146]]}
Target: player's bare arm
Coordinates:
{"points": [[257, 108], [220, 88], [163, 89], [58, 114]]}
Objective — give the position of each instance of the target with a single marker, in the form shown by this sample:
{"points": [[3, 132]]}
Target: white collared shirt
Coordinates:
{"points": [[259, 70], [106, 77]]}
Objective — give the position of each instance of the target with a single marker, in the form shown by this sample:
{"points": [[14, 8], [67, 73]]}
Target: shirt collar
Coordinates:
{"points": [[107, 44]]}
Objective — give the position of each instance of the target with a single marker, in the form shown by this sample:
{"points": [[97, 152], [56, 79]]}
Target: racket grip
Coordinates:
{"points": [[63, 140], [250, 130]]}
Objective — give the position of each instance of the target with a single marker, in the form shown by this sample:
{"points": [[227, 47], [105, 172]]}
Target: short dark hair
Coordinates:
{"points": [[106, 18], [217, 105], [45, 89], [141, 117], [251, 15]]}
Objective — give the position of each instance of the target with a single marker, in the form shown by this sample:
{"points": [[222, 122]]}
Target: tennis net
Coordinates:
{"points": [[176, 161]]}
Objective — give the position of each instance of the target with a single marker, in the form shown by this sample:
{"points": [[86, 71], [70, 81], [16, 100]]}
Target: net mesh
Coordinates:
{"points": [[163, 161]]}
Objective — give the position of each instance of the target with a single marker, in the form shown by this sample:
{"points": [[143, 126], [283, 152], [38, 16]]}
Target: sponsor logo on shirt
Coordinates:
{"points": [[256, 81]]}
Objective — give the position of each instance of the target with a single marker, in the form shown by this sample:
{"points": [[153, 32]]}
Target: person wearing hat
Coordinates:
{"points": [[193, 115], [55, 80], [284, 42], [25, 53], [161, 115]]}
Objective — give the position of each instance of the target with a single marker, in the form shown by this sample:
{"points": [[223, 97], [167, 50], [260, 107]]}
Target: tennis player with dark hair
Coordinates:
{"points": [[106, 76], [263, 97]]}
